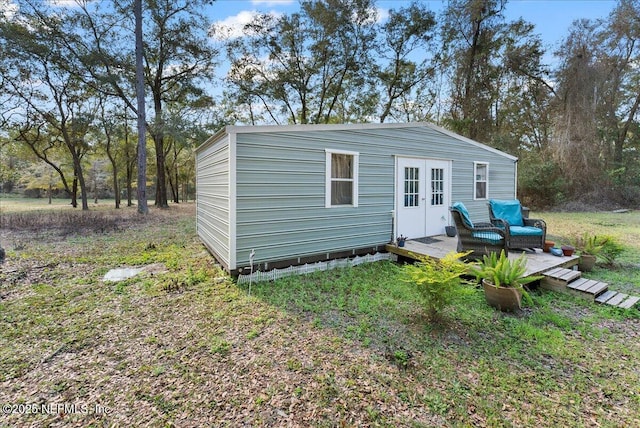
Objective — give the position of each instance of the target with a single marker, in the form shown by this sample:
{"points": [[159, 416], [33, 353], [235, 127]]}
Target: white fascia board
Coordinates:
{"points": [[215, 137]]}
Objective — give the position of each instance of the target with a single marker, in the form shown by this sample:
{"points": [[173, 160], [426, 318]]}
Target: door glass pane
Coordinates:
{"points": [[437, 186], [411, 187]]}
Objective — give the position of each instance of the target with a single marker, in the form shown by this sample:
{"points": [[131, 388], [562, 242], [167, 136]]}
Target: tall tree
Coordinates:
{"points": [[471, 43], [520, 110], [177, 58], [598, 102], [575, 137], [142, 141], [407, 33], [620, 95], [499, 82], [47, 101], [298, 66]]}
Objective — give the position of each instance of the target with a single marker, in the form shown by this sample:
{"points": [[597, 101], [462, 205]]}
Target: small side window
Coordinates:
{"points": [[341, 178], [481, 180]]}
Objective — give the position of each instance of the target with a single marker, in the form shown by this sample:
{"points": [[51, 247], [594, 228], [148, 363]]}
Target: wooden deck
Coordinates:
{"points": [[537, 261], [559, 272]]}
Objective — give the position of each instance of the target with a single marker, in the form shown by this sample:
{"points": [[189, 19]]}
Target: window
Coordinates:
{"points": [[411, 189], [481, 180], [342, 178], [437, 187]]}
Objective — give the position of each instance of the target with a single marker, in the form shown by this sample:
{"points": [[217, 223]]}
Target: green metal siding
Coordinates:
{"points": [[213, 212], [280, 197]]}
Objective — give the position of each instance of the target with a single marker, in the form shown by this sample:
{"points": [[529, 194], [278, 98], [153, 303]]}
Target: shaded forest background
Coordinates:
{"points": [[68, 109]]}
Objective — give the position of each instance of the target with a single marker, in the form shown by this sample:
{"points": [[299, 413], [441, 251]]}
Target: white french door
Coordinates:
{"points": [[422, 196]]}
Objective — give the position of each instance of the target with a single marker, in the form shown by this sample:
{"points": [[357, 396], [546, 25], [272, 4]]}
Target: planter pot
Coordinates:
{"points": [[547, 246], [451, 231], [586, 263], [503, 298], [567, 250], [400, 243]]}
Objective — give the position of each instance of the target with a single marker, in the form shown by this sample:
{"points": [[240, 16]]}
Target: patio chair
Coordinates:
{"points": [[481, 238], [523, 232]]}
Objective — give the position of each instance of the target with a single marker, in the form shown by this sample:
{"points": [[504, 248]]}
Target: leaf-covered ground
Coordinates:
{"points": [[184, 346]]}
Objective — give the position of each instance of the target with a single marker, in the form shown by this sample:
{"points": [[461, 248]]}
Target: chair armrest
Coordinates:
{"points": [[489, 227], [498, 222], [535, 222]]}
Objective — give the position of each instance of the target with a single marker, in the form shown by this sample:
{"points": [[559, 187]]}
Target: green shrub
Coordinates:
{"points": [[611, 249], [437, 281]]}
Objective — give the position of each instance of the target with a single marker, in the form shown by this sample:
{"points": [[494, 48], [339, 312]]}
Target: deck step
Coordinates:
{"points": [[588, 288], [615, 298], [629, 302], [606, 296], [557, 279]]}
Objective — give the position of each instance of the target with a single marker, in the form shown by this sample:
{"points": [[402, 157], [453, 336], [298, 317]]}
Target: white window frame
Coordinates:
{"points": [[329, 180], [476, 181]]}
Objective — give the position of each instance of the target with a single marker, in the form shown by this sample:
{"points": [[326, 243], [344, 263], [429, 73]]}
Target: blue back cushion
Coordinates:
{"points": [[459, 206], [509, 211]]}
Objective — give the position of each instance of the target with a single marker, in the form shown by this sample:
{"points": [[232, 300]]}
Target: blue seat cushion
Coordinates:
{"points": [[525, 231], [488, 237], [459, 206], [509, 211]]}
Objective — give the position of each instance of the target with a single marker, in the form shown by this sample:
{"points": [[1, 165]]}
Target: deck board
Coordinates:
{"points": [[617, 299], [537, 261], [630, 302], [604, 297]]}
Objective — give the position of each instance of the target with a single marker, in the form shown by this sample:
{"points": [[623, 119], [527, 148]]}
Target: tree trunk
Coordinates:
{"points": [[622, 134], [172, 184], [74, 189], [79, 179], [177, 195], [161, 181], [142, 143], [158, 139], [116, 188], [176, 185]]}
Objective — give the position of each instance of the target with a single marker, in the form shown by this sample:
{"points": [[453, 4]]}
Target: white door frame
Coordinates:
{"points": [[431, 221]]}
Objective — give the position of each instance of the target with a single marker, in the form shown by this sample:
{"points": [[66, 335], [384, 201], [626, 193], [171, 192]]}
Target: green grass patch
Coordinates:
{"points": [[347, 347]]}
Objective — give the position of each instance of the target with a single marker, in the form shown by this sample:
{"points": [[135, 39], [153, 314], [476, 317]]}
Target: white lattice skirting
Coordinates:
{"points": [[275, 274]]}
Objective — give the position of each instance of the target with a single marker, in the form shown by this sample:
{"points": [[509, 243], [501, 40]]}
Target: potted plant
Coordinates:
{"points": [[503, 280], [548, 245], [589, 247], [401, 240], [450, 231]]}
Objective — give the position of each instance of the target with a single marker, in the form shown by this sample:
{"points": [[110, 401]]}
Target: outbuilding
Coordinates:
{"points": [[287, 195]]}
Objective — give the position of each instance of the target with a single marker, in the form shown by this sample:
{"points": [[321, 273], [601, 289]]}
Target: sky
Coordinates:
{"points": [[552, 18]]}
